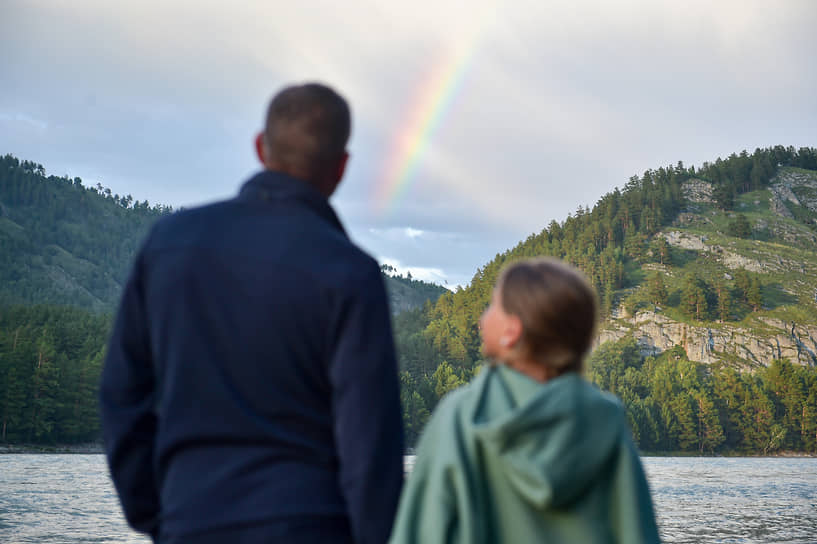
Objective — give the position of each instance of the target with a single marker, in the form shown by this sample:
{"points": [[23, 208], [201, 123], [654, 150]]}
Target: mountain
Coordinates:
{"points": [[64, 243], [775, 249], [707, 288], [707, 282], [407, 293], [65, 252]]}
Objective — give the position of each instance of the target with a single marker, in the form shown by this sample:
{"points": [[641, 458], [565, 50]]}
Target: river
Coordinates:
{"points": [[69, 499]]}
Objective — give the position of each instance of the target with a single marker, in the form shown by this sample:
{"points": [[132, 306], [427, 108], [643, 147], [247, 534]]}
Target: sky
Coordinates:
{"points": [[475, 123]]}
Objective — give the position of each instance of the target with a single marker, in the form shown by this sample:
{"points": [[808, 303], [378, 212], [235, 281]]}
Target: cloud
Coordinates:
{"points": [[413, 233], [24, 119], [432, 275], [563, 100]]}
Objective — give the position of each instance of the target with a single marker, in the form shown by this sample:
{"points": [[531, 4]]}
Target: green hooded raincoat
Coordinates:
{"points": [[509, 459]]}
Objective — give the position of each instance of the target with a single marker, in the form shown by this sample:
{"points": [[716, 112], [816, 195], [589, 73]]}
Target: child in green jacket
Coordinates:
{"points": [[529, 451]]}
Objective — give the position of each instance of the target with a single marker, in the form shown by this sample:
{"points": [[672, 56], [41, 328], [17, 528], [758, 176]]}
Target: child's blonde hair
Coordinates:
{"points": [[557, 308]]}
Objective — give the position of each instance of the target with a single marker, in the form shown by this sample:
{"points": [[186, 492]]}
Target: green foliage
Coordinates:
{"points": [[749, 289], [724, 196], [50, 361], [670, 401], [674, 404], [415, 408], [657, 289], [446, 379], [754, 295], [62, 242], [406, 293], [739, 227], [694, 297], [724, 298], [661, 250]]}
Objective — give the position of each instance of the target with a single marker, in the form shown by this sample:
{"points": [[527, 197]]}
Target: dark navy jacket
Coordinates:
{"points": [[251, 374]]}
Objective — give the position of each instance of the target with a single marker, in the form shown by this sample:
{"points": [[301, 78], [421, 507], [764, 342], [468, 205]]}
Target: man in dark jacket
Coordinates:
{"points": [[250, 391]]}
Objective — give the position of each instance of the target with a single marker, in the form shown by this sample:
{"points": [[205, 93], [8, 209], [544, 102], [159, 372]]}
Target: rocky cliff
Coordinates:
{"points": [[764, 340], [780, 252]]}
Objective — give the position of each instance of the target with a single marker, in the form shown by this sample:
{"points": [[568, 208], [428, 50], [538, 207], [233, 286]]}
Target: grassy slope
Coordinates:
{"points": [[782, 249]]}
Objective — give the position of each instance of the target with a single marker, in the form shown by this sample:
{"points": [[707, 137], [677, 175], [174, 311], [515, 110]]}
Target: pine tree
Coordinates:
{"points": [[656, 289], [445, 379], [44, 390], [710, 431], [754, 295], [739, 227], [686, 427], [693, 297], [742, 281], [663, 250], [809, 420], [724, 301]]}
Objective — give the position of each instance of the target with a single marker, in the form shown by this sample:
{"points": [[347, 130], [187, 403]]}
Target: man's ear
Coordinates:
{"points": [[260, 148], [342, 167], [337, 175]]}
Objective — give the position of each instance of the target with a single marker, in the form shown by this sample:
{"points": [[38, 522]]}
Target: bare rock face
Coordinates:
{"points": [[778, 201], [685, 240], [656, 333], [735, 262], [796, 187], [697, 190], [729, 259]]}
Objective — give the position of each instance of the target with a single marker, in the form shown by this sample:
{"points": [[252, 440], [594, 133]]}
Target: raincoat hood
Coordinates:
{"points": [[553, 440], [509, 459]]}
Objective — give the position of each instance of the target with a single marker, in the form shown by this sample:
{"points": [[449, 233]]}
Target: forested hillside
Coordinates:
{"points": [[407, 293], [50, 360], [67, 244], [707, 279], [627, 244], [62, 242], [65, 250]]}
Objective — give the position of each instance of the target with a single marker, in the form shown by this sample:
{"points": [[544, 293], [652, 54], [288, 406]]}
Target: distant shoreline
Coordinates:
{"points": [[96, 447], [727, 455], [86, 448]]}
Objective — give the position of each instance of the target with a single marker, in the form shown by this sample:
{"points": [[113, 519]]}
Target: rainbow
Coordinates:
{"points": [[432, 100]]}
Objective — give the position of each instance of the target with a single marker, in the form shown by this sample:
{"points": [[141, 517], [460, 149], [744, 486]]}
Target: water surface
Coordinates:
{"points": [[68, 499]]}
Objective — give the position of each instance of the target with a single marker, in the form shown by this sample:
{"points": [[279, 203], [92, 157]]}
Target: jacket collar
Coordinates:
{"points": [[268, 186]]}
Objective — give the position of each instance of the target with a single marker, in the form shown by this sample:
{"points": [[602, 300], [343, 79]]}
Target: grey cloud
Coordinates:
{"points": [[563, 100]]}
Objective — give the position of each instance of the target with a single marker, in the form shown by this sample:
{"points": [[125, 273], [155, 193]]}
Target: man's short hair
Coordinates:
{"points": [[307, 129]]}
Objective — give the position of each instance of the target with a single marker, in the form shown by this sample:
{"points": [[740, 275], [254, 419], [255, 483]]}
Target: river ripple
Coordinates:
{"points": [[68, 499]]}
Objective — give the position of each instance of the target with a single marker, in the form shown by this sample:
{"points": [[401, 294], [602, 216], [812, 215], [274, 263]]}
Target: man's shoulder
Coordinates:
{"points": [[353, 269], [181, 224], [305, 241], [197, 215]]}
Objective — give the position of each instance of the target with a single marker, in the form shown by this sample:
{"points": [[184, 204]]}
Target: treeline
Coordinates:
{"points": [[676, 405], [66, 248], [62, 242], [405, 292], [50, 357], [609, 243], [50, 362], [721, 299], [743, 173]]}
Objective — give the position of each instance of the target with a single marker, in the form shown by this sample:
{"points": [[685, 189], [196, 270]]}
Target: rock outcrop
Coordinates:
{"points": [[697, 190], [685, 240], [771, 339], [799, 188]]}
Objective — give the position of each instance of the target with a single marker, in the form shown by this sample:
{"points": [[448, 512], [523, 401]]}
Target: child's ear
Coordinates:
{"points": [[512, 332]]}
